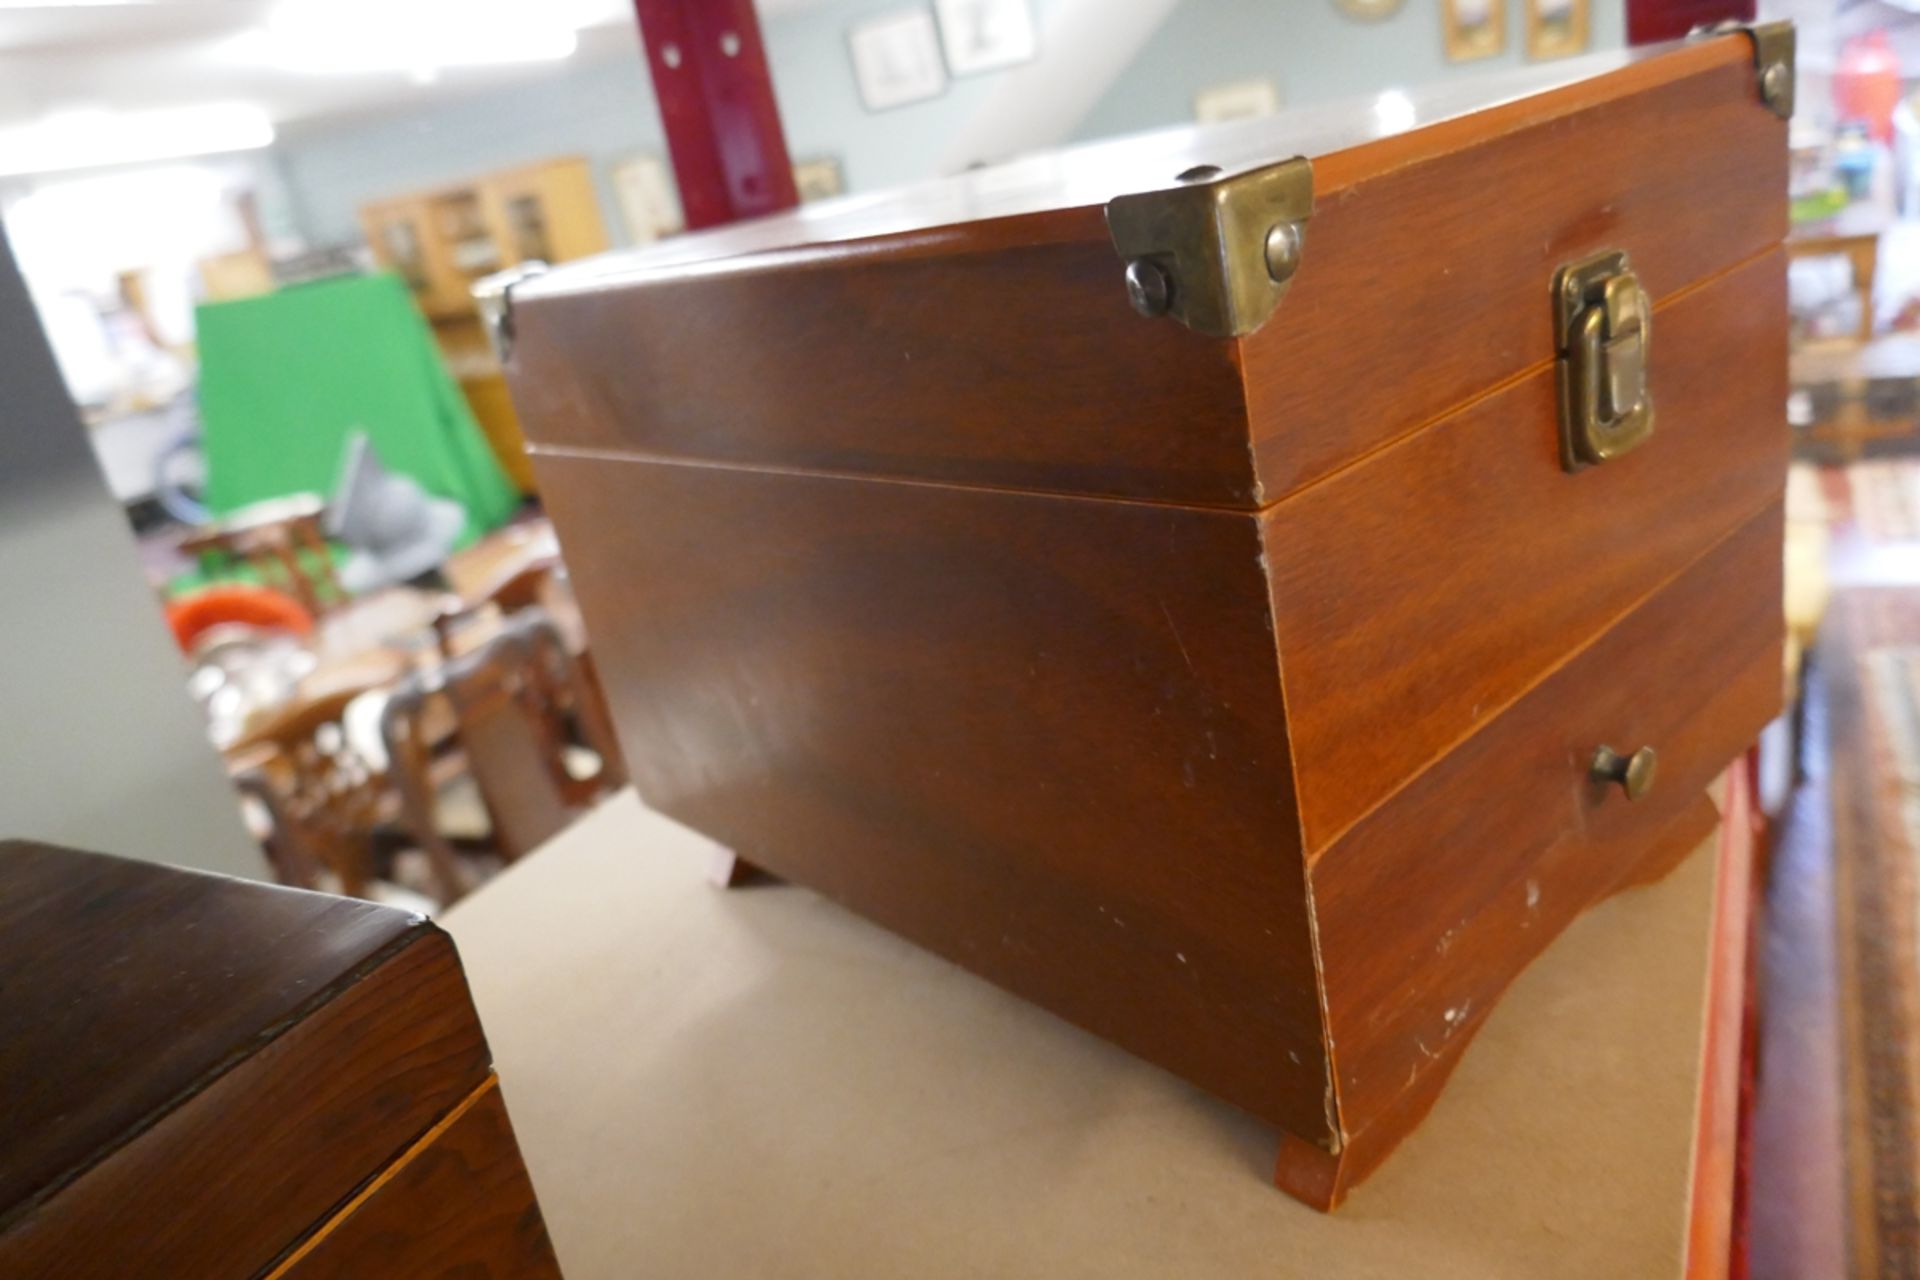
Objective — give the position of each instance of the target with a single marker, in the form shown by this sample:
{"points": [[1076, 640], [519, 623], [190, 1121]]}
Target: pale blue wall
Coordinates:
{"points": [[604, 108], [820, 104], [1307, 47]]}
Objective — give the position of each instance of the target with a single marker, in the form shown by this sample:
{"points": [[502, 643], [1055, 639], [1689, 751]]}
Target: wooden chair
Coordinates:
{"points": [[515, 702], [326, 804], [280, 540], [519, 586], [531, 584]]}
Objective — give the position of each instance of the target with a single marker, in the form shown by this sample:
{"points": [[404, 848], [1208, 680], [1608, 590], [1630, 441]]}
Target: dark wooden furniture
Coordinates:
{"points": [[514, 703], [327, 803], [322, 798], [1258, 681], [212, 1078], [538, 580], [281, 541]]}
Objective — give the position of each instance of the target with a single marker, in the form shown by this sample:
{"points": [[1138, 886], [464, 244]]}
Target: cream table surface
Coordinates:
{"points": [[756, 1083]]}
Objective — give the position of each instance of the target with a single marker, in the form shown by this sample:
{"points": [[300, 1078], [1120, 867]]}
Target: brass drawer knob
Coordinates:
{"points": [[1634, 773]]}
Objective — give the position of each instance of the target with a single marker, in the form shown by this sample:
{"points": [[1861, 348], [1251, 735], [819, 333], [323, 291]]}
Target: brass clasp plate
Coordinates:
{"points": [[1218, 250], [1603, 327]]}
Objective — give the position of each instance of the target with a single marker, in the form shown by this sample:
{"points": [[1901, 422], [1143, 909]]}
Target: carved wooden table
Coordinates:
{"points": [[1853, 234]]}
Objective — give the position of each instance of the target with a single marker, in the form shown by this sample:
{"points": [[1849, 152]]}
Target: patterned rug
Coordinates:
{"points": [[1886, 499], [1871, 656]]}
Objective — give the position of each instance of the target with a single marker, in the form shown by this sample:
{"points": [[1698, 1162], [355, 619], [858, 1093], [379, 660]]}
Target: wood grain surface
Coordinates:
{"points": [[1430, 256], [248, 1160], [1040, 736], [1311, 1174], [1430, 906], [458, 1203], [1420, 591], [1002, 352], [925, 573], [1019, 367], [152, 951]]}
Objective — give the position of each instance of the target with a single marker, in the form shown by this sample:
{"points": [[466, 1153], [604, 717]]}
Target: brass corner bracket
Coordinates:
{"points": [[1217, 251], [1773, 58]]}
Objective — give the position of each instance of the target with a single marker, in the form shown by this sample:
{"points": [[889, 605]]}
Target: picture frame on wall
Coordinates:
{"points": [[985, 35], [648, 197], [1557, 28], [1473, 29], [1238, 100], [1369, 10], [818, 178], [896, 58]]}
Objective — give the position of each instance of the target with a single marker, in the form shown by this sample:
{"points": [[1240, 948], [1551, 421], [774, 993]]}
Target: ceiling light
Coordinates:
{"points": [[92, 139], [413, 37]]}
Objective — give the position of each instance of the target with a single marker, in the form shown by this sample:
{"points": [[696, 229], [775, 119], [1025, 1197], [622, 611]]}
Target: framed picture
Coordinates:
{"points": [[1240, 100], [896, 59], [1556, 28], [1473, 28], [1369, 10], [818, 178], [648, 199], [985, 35]]}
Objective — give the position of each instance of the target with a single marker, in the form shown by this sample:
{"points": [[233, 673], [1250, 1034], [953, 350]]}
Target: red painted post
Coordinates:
{"points": [[716, 102], [1651, 21]]}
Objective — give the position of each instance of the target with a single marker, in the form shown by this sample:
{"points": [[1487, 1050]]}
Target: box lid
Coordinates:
{"points": [[982, 329]]}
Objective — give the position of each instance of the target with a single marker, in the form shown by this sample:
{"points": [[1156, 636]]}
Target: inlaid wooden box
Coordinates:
{"points": [[213, 1079], [1236, 601]]}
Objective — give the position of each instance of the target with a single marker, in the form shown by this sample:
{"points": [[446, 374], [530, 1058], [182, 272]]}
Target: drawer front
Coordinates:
{"points": [[1422, 590], [1431, 905]]}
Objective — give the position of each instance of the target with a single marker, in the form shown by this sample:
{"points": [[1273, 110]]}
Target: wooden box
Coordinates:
{"points": [[222, 1080], [1224, 598]]}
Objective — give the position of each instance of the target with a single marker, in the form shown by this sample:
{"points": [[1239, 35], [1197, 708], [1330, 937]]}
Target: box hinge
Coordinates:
{"points": [[1773, 58], [1217, 251]]}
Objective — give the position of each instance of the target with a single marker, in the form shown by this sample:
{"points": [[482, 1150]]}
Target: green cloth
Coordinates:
{"points": [[285, 377]]}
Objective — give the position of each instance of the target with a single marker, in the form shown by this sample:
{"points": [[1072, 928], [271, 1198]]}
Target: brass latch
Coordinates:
{"points": [[1603, 326]]}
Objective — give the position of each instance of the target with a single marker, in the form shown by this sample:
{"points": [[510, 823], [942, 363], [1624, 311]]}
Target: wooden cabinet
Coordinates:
{"points": [[212, 1078], [442, 241], [1245, 589]]}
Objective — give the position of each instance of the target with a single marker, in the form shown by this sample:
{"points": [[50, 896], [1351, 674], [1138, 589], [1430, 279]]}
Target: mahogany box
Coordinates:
{"points": [[211, 1079], [1244, 589]]}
